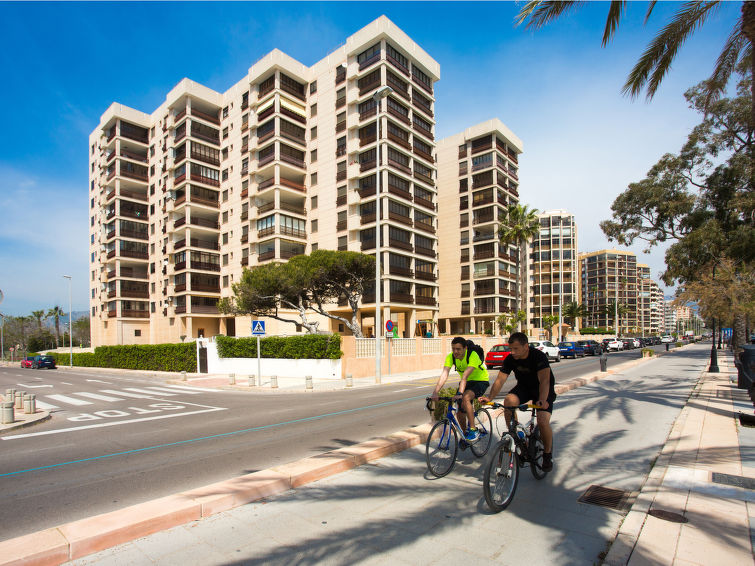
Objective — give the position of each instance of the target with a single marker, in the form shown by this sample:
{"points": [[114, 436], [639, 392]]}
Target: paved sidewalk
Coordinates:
{"points": [[609, 433], [707, 457]]}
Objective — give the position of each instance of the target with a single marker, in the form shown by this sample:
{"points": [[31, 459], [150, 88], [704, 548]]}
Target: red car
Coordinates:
{"points": [[496, 355], [27, 361]]}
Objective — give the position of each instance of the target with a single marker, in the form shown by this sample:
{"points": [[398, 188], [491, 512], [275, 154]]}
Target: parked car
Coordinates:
{"points": [[26, 362], [604, 343], [573, 349], [615, 345], [628, 343], [592, 348], [549, 348], [667, 339], [496, 355], [39, 362]]}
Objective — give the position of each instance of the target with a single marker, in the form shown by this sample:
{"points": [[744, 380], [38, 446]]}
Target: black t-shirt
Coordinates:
{"points": [[526, 370]]}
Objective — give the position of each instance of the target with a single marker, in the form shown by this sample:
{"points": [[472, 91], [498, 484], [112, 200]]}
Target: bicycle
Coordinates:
{"points": [[441, 448], [520, 445]]}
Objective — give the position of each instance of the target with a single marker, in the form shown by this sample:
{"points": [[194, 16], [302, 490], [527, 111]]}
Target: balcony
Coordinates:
{"points": [[400, 166], [204, 223], [206, 180], [402, 298], [392, 242], [134, 195], [293, 115], [203, 288], [135, 293], [341, 200], [487, 309], [418, 103], [368, 113], [465, 309], [427, 301], [399, 140], [367, 218], [292, 184], [424, 202], [368, 244], [265, 113], [244, 238], [483, 145], [393, 189], [423, 154], [135, 234], [425, 275], [267, 183], [204, 309], [396, 217], [423, 130], [367, 62], [429, 252], [398, 115], [133, 254], [287, 231], [402, 271], [245, 260], [265, 207], [367, 140], [367, 165], [484, 254], [133, 156], [293, 161], [208, 117], [424, 226], [341, 225], [424, 178], [288, 254], [266, 232], [204, 265], [464, 257], [135, 313], [400, 66], [266, 255], [369, 87]]}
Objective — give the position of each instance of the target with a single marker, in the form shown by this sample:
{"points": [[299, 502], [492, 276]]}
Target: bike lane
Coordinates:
{"points": [[607, 433]]}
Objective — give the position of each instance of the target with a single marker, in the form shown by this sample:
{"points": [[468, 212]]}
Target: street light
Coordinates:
{"points": [[379, 95], [70, 327]]}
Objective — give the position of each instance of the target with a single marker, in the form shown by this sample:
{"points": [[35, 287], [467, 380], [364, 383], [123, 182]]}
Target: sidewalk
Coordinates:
{"points": [[609, 433], [707, 457]]}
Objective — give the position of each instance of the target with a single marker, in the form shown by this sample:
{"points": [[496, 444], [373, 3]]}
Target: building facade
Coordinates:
{"points": [[551, 270], [282, 163], [609, 277], [477, 180]]}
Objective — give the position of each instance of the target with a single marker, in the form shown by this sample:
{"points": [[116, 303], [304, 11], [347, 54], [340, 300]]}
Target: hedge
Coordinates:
{"points": [[305, 347], [148, 357], [596, 330]]}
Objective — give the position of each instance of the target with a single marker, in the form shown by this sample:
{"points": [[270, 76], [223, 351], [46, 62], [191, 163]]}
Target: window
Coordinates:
{"points": [[313, 179], [225, 133], [341, 146], [313, 111], [225, 217], [313, 133], [421, 78], [313, 156], [138, 332], [313, 87], [314, 247], [225, 175], [225, 195], [340, 97], [397, 107], [314, 225], [225, 238], [266, 222], [225, 281], [343, 242], [369, 55], [225, 112], [396, 56], [313, 203]]}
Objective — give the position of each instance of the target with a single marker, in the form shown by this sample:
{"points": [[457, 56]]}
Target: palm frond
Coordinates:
{"points": [[656, 61], [651, 5], [615, 11], [725, 64], [541, 12]]}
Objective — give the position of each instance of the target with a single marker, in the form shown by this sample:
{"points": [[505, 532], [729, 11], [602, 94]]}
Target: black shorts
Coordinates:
{"points": [[477, 387], [526, 395]]}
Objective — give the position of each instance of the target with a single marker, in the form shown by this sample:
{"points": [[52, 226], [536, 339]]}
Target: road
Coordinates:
{"points": [[115, 440]]}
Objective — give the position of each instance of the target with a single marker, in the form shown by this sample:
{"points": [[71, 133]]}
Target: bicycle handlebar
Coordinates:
{"points": [[522, 407], [429, 400]]}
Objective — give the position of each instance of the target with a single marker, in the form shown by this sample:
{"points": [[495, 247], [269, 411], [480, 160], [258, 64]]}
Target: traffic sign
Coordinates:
{"points": [[258, 328], [389, 325]]}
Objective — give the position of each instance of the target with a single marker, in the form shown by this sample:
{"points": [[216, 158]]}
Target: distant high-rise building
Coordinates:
{"points": [[477, 180], [607, 277], [282, 163]]}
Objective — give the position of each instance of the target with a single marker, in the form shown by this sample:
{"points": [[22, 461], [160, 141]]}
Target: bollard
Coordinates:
{"points": [[603, 362], [667, 346], [10, 395], [20, 399], [231, 379], [349, 380], [252, 380], [7, 409], [33, 399], [274, 381], [183, 375], [308, 382], [27, 405]]}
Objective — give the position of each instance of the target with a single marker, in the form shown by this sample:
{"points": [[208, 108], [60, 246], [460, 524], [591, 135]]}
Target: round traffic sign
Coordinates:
{"points": [[389, 325]]}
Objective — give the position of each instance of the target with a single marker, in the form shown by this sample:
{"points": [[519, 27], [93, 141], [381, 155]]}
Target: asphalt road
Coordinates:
{"points": [[115, 440]]}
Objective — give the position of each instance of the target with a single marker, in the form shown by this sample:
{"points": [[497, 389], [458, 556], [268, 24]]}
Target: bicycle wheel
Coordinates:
{"points": [[484, 424], [501, 477], [441, 448], [536, 451]]}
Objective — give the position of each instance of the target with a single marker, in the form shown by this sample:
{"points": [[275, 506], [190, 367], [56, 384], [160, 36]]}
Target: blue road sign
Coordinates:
{"points": [[389, 325], [258, 328]]}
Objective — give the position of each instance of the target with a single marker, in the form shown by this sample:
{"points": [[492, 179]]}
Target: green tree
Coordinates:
{"points": [[39, 316], [656, 61], [507, 322], [56, 313], [82, 332], [574, 311], [549, 321], [520, 225], [615, 312]]}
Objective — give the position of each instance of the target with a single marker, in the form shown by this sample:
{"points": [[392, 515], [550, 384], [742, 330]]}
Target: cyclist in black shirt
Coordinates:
{"points": [[534, 382]]}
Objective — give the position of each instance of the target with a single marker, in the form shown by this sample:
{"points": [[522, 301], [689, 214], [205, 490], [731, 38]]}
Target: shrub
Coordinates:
{"points": [[145, 357], [439, 411], [304, 347], [595, 330], [679, 344], [649, 351]]}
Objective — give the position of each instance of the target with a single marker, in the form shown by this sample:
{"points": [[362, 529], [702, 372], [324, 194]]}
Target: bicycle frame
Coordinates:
{"points": [[451, 417]]}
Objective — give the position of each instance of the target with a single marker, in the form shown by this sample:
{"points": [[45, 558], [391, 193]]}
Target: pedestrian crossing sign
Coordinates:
{"points": [[258, 328]]}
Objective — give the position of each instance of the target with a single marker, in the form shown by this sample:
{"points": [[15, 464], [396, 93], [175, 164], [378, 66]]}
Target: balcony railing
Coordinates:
{"points": [[401, 245], [428, 301], [265, 207], [133, 254], [402, 298], [204, 265], [205, 180], [265, 184], [204, 288], [266, 232], [402, 271], [395, 216], [292, 184], [393, 189], [266, 255], [287, 231], [293, 160], [425, 275], [424, 226], [396, 114], [429, 252], [424, 202], [209, 117], [204, 223], [288, 254]]}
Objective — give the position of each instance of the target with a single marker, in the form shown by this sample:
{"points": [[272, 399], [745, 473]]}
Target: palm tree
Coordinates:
{"points": [[549, 321], [39, 315], [615, 311], [574, 311], [56, 313], [520, 225], [656, 61]]}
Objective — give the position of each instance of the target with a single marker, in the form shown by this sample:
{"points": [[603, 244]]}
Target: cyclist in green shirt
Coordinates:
{"points": [[474, 382]]}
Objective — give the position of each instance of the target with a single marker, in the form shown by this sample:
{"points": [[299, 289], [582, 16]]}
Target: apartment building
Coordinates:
{"points": [[552, 269], [609, 276], [282, 163], [477, 180], [650, 303]]}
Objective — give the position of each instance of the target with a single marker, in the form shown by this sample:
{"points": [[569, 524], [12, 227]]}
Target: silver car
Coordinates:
{"points": [[550, 349]]}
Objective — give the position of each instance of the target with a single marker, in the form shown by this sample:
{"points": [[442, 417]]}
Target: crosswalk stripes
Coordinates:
{"points": [[82, 398]]}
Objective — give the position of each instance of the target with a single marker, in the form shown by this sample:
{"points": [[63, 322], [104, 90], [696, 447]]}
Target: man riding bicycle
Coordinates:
{"points": [[474, 382], [534, 382]]}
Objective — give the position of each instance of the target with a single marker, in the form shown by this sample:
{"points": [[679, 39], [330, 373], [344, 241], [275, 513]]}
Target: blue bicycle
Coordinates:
{"points": [[442, 445]]}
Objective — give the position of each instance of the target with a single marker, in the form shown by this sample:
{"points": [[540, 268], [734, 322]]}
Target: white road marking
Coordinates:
{"points": [[189, 388], [115, 423], [46, 406], [66, 383], [33, 386], [98, 396], [402, 390], [150, 392], [172, 391], [100, 381], [68, 400], [125, 394]]}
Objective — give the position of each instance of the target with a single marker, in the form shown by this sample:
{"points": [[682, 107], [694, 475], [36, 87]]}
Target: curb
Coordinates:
{"points": [[81, 538], [36, 418]]}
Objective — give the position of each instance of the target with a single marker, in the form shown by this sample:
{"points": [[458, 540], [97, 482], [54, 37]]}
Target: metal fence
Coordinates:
{"points": [[365, 347]]}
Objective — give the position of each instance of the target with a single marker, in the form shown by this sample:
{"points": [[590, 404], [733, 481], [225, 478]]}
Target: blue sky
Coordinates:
{"points": [[557, 89]]}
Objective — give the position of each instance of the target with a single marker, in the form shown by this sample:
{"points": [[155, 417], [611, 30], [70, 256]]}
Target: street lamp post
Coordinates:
{"points": [[70, 327], [379, 95]]}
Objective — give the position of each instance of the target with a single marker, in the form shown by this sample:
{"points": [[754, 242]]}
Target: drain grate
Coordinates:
{"points": [[736, 481], [668, 516], [605, 497]]}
